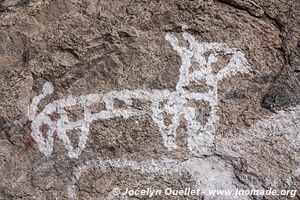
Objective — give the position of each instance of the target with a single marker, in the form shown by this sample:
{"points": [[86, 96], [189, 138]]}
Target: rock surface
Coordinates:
{"points": [[91, 47]]}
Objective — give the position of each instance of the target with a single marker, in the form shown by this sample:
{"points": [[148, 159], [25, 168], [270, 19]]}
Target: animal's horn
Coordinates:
{"points": [[47, 88]]}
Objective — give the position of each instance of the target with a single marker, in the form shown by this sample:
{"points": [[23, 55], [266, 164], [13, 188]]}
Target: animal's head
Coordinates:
{"points": [[204, 55], [47, 90]]}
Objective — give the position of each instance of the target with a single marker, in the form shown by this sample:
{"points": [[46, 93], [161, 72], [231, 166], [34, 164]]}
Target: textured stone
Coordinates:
{"points": [[90, 47]]}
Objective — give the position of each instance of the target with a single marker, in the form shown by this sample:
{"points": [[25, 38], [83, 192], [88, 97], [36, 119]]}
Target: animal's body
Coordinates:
{"points": [[53, 119]]}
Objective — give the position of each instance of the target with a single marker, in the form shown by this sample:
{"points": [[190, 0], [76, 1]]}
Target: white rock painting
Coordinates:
{"points": [[54, 117], [200, 138]]}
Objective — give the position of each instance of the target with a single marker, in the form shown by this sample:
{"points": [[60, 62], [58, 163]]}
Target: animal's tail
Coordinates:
{"points": [[47, 90]]}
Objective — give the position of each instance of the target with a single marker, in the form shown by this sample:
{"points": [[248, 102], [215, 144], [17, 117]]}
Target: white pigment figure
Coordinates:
{"points": [[53, 119]]}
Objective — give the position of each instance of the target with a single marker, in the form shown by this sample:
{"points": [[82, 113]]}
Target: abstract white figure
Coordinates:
{"points": [[53, 119]]}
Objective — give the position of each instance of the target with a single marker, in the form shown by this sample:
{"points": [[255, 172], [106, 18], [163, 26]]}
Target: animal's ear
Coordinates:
{"points": [[173, 41], [47, 88], [183, 51], [190, 39]]}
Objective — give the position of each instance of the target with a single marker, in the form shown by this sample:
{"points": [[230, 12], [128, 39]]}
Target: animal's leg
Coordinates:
{"points": [[80, 133], [200, 139], [42, 132], [168, 132]]}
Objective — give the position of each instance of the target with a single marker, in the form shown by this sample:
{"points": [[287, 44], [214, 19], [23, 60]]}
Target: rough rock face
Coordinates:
{"points": [[99, 95]]}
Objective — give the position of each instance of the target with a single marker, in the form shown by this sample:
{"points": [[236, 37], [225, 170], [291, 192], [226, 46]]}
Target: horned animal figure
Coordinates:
{"points": [[53, 119]]}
